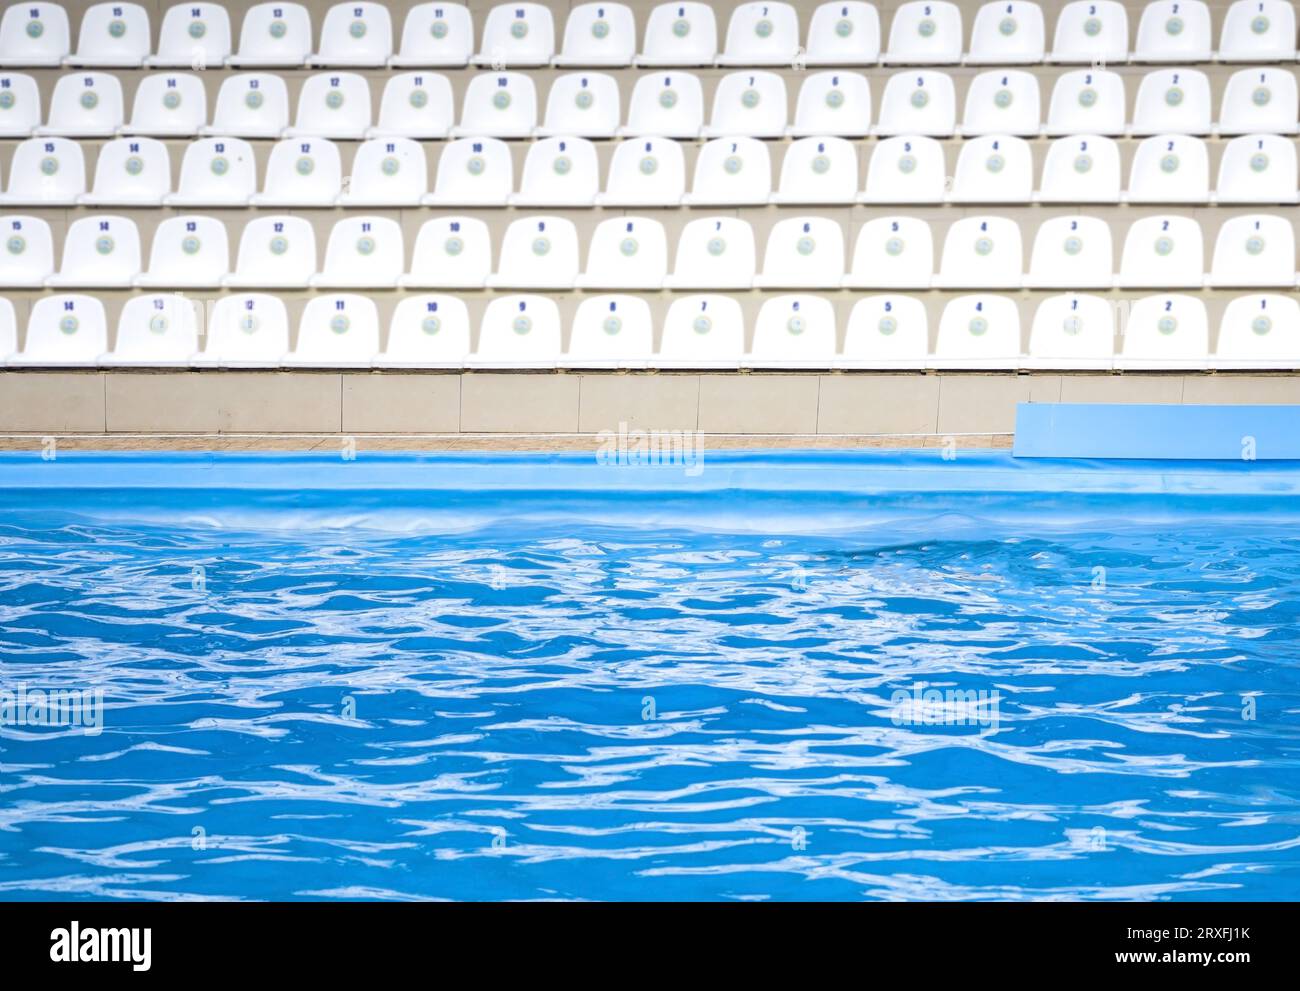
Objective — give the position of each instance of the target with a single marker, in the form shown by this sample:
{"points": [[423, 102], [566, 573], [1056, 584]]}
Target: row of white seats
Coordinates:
{"points": [[923, 32], [979, 331], [671, 104], [565, 172], [632, 253]]}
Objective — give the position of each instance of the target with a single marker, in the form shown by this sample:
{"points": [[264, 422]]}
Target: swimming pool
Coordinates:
{"points": [[796, 676]]}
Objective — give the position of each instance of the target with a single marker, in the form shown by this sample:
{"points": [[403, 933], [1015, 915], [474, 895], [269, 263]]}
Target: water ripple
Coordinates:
{"points": [[586, 712]]}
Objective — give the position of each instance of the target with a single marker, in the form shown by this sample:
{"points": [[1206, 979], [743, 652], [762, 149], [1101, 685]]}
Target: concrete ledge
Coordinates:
{"points": [[519, 403], [759, 404], [861, 404], [52, 401], [294, 401], [396, 403]]}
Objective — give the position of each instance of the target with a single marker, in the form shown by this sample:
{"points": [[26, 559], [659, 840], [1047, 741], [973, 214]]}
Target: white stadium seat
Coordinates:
{"points": [[582, 105], [436, 34], [1072, 331], [1007, 32], [46, 172], [1174, 31], [168, 105], [1072, 253], [274, 34], [844, 33], [794, 331], [158, 330], [1173, 101], [626, 253], [1087, 101], [1168, 331], [517, 34], [906, 170], [702, 331], [112, 34], [762, 33], [886, 332], [130, 172], [473, 172], [188, 252], [427, 331], [1170, 168], [818, 170], [34, 34], [1258, 31], [892, 253], [1091, 31], [251, 105], [363, 253], [193, 36], [537, 253], [302, 172], [216, 172], [100, 252], [1257, 169], [669, 104], [338, 330], [1259, 101], [1261, 331], [415, 105], [803, 253], [731, 172], [598, 34], [69, 330], [994, 169], [275, 252], [332, 105], [679, 34], [833, 103], [20, 105], [518, 332], [450, 253], [387, 172], [979, 331], [8, 330], [714, 253], [1082, 168], [1003, 101], [1254, 250], [85, 105], [752, 104], [1163, 252], [649, 172], [982, 252], [246, 330], [498, 105], [925, 32], [610, 332], [922, 102], [28, 252], [356, 33], [559, 172]]}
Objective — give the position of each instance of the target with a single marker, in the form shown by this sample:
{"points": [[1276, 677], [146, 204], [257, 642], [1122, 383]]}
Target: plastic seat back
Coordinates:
{"points": [[337, 328], [1072, 252], [519, 329], [1163, 251], [796, 329], [887, 330], [704, 329], [427, 329], [907, 169]]}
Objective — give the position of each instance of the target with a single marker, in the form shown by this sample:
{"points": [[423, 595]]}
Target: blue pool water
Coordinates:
{"points": [[475, 692]]}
